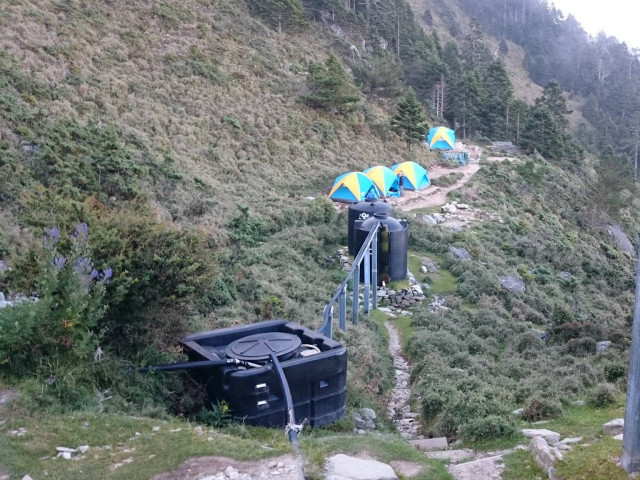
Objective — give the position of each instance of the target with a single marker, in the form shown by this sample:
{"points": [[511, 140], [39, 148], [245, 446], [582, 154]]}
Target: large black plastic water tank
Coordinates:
{"points": [[393, 245], [363, 211], [315, 367]]}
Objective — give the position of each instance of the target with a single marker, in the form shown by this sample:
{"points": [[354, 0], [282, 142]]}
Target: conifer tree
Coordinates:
{"points": [[542, 133], [553, 98], [331, 88], [410, 123], [499, 92], [280, 14]]}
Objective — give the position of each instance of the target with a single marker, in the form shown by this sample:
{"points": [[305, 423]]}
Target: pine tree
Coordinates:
{"points": [[553, 98], [474, 51], [410, 122], [331, 88], [542, 133], [466, 101], [280, 14], [499, 92]]}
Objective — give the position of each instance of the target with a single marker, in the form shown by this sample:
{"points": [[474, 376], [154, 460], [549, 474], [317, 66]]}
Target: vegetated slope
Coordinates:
{"points": [[207, 88], [496, 350]]}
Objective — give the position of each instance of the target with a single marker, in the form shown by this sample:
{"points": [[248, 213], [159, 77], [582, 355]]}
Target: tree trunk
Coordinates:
{"points": [[280, 23], [398, 27]]}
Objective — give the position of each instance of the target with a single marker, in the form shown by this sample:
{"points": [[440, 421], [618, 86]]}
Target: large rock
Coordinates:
{"points": [[542, 454], [439, 443], [621, 239], [603, 346], [460, 253], [449, 208], [513, 284], [614, 427], [455, 456], [344, 467], [549, 435]]}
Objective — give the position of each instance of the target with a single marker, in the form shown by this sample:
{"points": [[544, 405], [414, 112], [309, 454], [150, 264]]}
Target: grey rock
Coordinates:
{"points": [[198, 430], [513, 284], [428, 219], [603, 346], [462, 206], [344, 467], [369, 424], [449, 208], [361, 431], [66, 455], [621, 239], [67, 449], [155, 429], [455, 456], [358, 421], [570, 440], [579, 403], [518, 411], [460, 253], [549, 435], [423, 269], [439, 443], [83, 448], [368, 413], [27, 477], [542, 453], [565, 275], [614, 427], [618, 437]]}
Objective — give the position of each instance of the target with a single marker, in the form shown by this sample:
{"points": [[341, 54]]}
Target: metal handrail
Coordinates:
{"points": [[327, 325]]}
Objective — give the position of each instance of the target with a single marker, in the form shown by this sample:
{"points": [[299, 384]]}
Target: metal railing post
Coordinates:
{"points": [[356, 295], [374, 269], [342, 309], [630, 460], [367, 280]]}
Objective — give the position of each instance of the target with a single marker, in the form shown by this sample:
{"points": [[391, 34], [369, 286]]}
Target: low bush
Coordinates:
{"points": [[604, 395], [489, 428], [540, 408]]}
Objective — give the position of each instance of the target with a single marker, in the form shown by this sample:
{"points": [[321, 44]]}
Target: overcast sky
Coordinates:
{"points": [[618, 18]]}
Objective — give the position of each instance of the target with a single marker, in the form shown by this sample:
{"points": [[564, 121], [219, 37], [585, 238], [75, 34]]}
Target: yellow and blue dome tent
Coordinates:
{"points": [[415, 176], [441, 138], [384, 179], [353, 187]]}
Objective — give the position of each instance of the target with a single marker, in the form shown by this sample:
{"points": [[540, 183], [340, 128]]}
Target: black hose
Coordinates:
{"points": [[192, 365], [293, 434]]}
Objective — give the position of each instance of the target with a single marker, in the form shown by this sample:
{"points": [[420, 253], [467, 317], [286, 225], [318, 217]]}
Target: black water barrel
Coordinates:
{"points": [[393, 245], [363, 211]]}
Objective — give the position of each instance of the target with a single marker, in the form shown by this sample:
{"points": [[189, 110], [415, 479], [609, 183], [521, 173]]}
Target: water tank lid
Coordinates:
{"points": [[257, 347], [380, 215], [390, 223]]}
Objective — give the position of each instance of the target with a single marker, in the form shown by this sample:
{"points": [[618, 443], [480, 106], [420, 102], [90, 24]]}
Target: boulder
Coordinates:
{"points": [[565, 275], [359, 422], [603, 346], [614, 427], [439, 443], [513, 284], [344, 467], [429, 220], [460, 253], [368, 413], [542, 455], [449, 208], [549, 435], [621, 239]]}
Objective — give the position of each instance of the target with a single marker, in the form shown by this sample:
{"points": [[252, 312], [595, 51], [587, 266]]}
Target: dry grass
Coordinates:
{"points": [[207, 86]]}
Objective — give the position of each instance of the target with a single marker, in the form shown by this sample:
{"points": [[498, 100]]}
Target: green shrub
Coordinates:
{"points": [[604, 395], [489, 428], [540, 408], [614, 371], [580, 347]]}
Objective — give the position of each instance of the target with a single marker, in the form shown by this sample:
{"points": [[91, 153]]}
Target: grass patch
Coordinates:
{"points": [[595, 462], [443, 282], [114, 438], [521, 466], [447, 180], [586, 421], [425, 210], [386, 448]]}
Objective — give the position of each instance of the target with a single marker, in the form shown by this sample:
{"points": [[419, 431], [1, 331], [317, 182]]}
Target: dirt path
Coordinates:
{"points": [[435, 196], [399, 408]]}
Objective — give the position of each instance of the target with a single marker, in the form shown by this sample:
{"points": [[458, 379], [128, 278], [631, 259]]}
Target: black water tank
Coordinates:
{"points": [[393, 245], [363, 211]]}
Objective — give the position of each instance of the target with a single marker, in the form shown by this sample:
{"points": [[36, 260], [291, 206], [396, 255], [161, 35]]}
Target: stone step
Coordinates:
{"points": [[439, 443]]}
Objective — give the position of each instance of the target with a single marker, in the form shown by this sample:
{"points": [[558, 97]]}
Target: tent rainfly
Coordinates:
{"points": [[415, 176], [441, 138], [384, 178], [353, 187]]}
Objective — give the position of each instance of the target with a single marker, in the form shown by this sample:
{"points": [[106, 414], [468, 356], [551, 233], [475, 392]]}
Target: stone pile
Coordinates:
{"points": [[546, 447], [403, 298], [364, 421], [276, 470], [69, 453]]}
